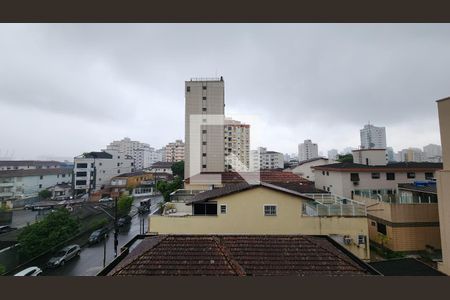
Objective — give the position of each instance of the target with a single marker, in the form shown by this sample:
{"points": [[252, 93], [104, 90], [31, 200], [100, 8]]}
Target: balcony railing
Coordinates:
{"points": [[333, 205]]}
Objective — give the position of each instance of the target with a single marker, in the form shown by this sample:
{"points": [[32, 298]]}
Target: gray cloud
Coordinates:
{"points": [[322, 81]]}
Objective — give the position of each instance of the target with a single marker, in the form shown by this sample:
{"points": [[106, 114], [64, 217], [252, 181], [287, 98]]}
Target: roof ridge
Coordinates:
{"points": [[229, 257]]}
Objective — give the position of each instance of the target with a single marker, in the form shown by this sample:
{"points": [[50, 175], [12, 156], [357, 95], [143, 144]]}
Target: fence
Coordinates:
{"points": [[332, 205]]}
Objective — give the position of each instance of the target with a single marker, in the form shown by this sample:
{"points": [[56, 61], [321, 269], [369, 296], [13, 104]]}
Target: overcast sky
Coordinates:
{"points": [[71, 88]]}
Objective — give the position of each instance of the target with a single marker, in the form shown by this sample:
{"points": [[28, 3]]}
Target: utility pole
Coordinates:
{"points": [[104, 251], [116, 233]]}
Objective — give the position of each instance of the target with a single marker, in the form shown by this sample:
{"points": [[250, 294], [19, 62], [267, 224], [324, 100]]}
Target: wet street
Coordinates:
{"points": [[90, 261]]}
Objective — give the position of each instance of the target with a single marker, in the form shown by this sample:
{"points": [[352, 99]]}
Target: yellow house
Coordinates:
{"points": [[270, 209]]}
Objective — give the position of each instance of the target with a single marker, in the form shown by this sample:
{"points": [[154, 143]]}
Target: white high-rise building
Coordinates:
{"points": [[205, 98], [433, 153], [307, 150], [390, 154], [332, 154], [373, 137], [141, 152], [174, 151], [262, 159], [411, 154], [237, 145]]}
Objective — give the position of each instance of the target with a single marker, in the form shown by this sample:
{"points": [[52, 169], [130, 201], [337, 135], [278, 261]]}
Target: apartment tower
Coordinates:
{"points": [[205, 106], [237, 145], [307, 150], [373, 137]]}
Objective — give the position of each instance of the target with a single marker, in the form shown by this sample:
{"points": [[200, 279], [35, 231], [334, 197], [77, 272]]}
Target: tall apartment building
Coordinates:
{"points": [[373, 137], [237, 145], [174, 151], [141, 152], [205, 102], [307, 150], [93, 171], [433, 153], [262, 159], [443, 186], [411, 154], [390, 154]]}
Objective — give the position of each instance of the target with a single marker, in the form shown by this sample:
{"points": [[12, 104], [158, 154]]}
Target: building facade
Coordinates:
{"points": [[443, 184], [433, 153], [333, 154], [141, 152], [6, 165], [307, 150], [93, 171], [373, 137], [174, 151], [237, 145], [25, 183], [205, 102], [262, 159], [411, 154], [305, 168]]}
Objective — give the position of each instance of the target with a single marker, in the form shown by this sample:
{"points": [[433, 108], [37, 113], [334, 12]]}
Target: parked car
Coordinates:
{"points": [[27, 206], [6, 228], [41, 207], [105, 200], [31, 271], [64, 255], [124, 220], [98, 235]]}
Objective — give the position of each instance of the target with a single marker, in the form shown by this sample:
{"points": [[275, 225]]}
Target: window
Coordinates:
{"points": [[270, 210], [429, 176], [328, 173], [411, 175], [323, 172], [118, 171], [92, 165], [204, 87], [390, 176], [203, 143], [204, 98], [99, 164], [81, 174], [375, 175], [354, 176], [204, 131], [204, 154], [118, 164], [373, 223], [40, 186], [204, 109], [381, 228], [223, 209], [188, 89], [204, 166], [81, 166], [41, 177], [63, 175], [367, 161]]}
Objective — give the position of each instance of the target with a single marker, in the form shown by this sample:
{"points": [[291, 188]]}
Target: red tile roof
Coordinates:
{"points": [[240, 255], [264, 176]]}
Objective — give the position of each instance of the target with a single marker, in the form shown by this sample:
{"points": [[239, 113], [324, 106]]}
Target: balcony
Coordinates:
{"points": [[6, 184], [332, 205]]}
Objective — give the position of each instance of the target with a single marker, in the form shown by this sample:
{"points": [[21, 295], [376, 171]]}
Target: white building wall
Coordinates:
{"points": [[373, 137]]}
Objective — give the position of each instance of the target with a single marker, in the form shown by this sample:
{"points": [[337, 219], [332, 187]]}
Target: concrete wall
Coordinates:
{"points": [[307, 172], [372, 157], [245, 215]]}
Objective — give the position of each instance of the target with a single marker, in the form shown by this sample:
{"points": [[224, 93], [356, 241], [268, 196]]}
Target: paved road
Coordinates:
{"points": [[90, 261]]}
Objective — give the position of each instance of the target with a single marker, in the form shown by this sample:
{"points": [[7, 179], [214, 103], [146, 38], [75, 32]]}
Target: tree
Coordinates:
{"points": [[166, 188], [45, 194], [383, 240], [178, 169], [345, 158], [124, 205], [42, 236], [2, 269]]}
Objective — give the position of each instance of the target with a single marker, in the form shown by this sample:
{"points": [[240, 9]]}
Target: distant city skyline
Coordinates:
{"points": [[70, 88]]}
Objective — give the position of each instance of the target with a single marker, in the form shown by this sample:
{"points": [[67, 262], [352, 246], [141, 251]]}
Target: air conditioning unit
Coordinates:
{"points": [[347, 240]]}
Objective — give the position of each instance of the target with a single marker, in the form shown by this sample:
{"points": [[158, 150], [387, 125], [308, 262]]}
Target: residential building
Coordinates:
{"points": [[262, 159], [390, 154], [370, 157], [158, 155], [348, 179], [237, 145], [94, 170], [307, 150], [61, 191], [174, 151], [373, 137], [333, 154], [25, 183], [205, 104], [443, 186], [162, 167], [239, 255], [6, 165], [411, 154], [141, 152], [305, 170], [407, 221], [433, 153], [270, 209]]}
